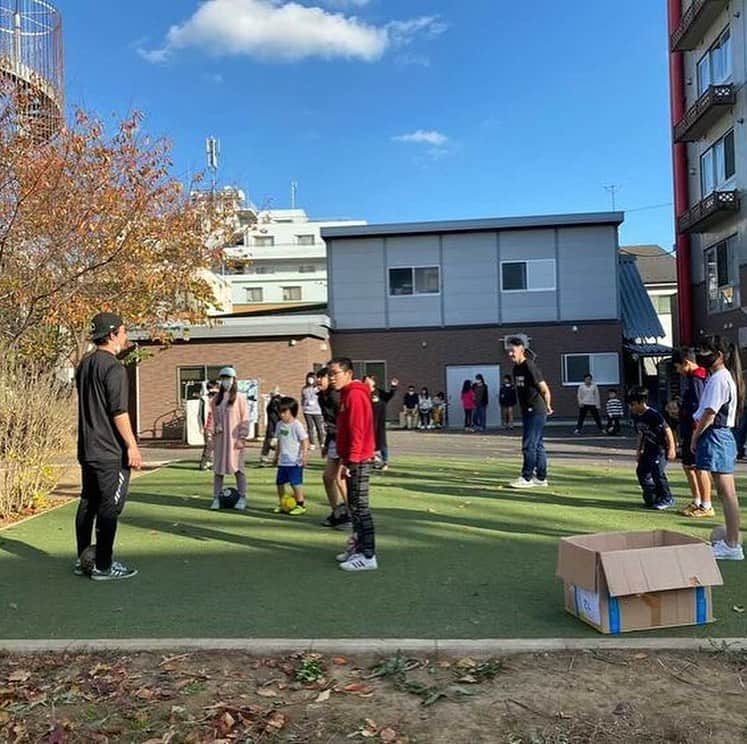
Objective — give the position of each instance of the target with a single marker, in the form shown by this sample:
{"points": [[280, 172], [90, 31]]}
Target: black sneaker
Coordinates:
{"points": [[328, 521], [116, 572], [77, 568]]}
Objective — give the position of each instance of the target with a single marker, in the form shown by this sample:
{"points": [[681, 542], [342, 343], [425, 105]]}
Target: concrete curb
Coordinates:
{"points": [[446, 647]]}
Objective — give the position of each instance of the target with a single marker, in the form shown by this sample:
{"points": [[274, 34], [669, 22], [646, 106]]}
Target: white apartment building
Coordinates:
{"points": [[278, 258]]}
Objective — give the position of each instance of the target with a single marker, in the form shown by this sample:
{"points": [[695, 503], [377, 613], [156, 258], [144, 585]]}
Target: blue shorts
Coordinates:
{"points": [[716, 451], [292, 474]]}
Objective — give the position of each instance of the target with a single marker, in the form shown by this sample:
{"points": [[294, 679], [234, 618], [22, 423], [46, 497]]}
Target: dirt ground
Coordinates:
{"points": [[558, 698]]}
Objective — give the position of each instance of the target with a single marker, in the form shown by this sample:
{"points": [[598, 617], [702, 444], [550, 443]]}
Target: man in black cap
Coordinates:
{"points": [[107, 449]]}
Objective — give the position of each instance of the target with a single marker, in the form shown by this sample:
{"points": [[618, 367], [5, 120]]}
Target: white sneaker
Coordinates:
{"points": [[521, 483], [722, 551], [240, 504], [351, 548], [216, 504], [359, 562], [539, 483]]}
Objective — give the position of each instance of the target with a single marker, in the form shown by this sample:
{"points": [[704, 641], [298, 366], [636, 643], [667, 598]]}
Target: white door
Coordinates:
{"points": [[455, 377]]}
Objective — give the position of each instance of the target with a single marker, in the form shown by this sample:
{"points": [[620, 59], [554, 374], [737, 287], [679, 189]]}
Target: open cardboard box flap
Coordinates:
{"points": [[655, 569], [576, 565]]}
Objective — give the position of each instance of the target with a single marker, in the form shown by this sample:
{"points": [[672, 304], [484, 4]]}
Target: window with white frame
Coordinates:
{"points": [[264, 269], [414, 280], [722, 276], [307, 268], [190, 379], [717, 165], [375, 368], [604, 367], [305, 239], [536, 275], [291, 294], [254, 294], [264, 241], [714, 66]]}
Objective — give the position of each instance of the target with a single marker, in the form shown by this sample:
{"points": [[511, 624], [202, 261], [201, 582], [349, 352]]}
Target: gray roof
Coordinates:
{"points": [[492, 223], [639, 319], [655, 265]]}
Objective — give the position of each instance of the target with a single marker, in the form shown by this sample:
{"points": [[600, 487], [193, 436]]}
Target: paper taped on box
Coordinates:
{"points": [[621, 581]]}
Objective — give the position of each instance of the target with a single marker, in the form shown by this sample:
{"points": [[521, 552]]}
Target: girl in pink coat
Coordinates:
{"points": [[229, 426]]}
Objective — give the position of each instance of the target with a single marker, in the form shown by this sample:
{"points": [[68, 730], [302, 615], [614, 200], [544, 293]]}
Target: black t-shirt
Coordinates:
{"points": [[329, 402], [411, 400], [527, 377], [102, 394], [652, 427]]}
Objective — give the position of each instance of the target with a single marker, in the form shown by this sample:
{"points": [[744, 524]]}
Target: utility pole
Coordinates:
{"points": [[212, 147], [612, 190], [294, 192]]}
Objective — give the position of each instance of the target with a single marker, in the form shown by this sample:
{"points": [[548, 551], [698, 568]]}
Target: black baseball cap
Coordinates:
{"points": [[105, 323]]}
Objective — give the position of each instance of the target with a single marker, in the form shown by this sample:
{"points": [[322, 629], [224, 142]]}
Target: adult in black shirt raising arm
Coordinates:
{"points": [[536, 405], [107, 449]]}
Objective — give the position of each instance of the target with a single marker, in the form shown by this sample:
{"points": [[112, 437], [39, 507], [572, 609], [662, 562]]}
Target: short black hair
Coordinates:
{"points": [[344, 363], [612, 390], [516, 341], [638, 395], [683, 354], [288, 404], [323, 372], [588, 374]]}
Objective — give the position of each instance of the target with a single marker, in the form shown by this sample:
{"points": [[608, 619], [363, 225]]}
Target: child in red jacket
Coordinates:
{"points": [[355, 448]]}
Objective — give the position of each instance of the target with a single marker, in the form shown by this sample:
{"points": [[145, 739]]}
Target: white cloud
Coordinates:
{"points": [[424, 137], [213, 77], [285, 30]]}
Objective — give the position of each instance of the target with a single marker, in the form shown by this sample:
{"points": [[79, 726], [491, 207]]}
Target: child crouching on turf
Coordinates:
{"points": [[291, 454], [655, 447]]}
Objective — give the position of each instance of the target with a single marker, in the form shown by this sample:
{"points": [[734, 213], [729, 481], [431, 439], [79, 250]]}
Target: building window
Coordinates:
{"points": [[264, 269], [291, 294], [305, 239], [603, 367], [722, 276], [714, 66], [306, 268], [414, 280], [528, 276], [662, 304], [190, 379], [375, 368], [264, 241], [717, 165], [254, 294]]}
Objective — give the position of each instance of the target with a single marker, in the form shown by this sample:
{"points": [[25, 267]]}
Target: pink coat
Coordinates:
{"points": [[468, 400], [228, 425]]}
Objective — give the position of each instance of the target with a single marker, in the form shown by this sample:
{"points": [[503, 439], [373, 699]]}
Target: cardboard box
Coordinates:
{"points": [[621, 581]]}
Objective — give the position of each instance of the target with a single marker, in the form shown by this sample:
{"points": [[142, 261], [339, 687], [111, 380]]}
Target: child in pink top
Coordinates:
{"points": [[468, 404]]}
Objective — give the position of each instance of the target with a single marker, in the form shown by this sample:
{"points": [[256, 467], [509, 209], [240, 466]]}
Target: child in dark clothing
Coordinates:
{"points": [[507, 401], [655, 447]]}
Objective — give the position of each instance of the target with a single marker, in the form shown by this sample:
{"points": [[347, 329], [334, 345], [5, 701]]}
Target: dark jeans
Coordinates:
{"points": [[315, 427], [613, 425], [594, 411], [102, 499], [532, 446], [425, 419], [480, 417], [360, 513], [652, 475], [468, 418]]}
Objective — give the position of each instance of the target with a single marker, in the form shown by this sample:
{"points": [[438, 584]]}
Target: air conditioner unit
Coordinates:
{"points": [[522, 336]]}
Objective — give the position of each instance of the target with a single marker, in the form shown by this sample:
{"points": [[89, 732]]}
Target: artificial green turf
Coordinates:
{"points": [[459, 558]]}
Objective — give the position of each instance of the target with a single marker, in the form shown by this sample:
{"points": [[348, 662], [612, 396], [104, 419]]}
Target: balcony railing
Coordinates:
{"points": [[704, 112], [696, 20], [710, 211]]}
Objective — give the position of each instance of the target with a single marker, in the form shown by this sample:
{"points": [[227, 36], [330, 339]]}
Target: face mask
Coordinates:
{"points": [[226, 383], [310, 381], [706, 360]]}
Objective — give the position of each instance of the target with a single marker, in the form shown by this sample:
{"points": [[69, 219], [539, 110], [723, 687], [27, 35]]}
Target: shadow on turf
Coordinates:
{"points": [[21, 549]]}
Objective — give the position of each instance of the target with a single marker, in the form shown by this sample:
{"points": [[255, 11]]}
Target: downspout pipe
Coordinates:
{"points": [[678, 105]]}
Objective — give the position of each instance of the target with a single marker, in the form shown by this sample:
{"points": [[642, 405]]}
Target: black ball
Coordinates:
{"points": [[88, 560], [228, 498]]}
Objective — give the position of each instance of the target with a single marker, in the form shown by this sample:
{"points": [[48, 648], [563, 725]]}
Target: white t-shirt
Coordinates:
{"points": [[719, 389], [289, 438]]}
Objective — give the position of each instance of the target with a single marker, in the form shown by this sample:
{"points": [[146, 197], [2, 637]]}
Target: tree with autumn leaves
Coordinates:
{"points": [[92, 221]]}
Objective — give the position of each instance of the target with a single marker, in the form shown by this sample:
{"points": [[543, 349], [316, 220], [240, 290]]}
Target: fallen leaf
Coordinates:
{"points": [[738, 608], [4, 717], [387, 735], [266, 692], [466, 663], [444, 664], [20, 675], [356, 688], [144, 693], [323, 696], [277, 721], [640, 656], [98, 669], [339, 660], [469, 678]]}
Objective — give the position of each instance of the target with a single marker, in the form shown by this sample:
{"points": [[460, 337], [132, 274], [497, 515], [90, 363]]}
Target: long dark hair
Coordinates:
{"points": [[715, 345], [233, 390], [467, 386]]}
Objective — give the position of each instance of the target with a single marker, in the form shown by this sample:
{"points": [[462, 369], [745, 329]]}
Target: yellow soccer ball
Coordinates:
{"points": [[287, 504]]}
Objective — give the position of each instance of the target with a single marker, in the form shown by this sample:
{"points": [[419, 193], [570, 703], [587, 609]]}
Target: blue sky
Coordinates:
{"points": [[390, 111]]}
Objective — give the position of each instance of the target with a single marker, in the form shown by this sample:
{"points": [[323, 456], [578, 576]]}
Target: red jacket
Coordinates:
{"points": [[355, 431]]}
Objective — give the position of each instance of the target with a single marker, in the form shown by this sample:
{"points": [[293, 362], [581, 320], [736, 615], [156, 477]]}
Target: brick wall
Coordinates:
{"points": [[271, 361], [420, 357]]}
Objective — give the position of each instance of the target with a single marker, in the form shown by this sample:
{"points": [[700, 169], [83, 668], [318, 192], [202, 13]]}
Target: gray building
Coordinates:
{"points": [[433, 302], [709, 105]]}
